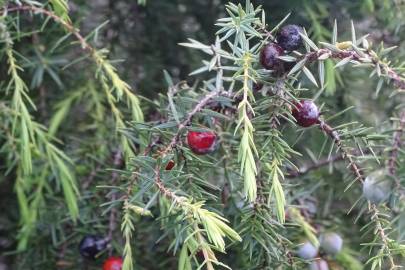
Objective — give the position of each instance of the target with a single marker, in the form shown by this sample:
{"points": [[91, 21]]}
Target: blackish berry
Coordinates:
{"points": [[269, 57], [201, 142], [331, 243], [170, 165], [257, 86], [215, 106], [288, 66], [306, 113], [376, 188], [289, 37], [113, 263], [91, 245]]}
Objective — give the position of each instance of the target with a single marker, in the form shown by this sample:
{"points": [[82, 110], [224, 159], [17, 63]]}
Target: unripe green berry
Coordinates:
{"points": [[376, 188], [307, 251]]}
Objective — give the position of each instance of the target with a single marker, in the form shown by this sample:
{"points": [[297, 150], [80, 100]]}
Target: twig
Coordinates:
{"points": [[320, 163], [367, 57], [201, 104], [173, 142], [69, 27], [150, 146], [118, 162], [89, 179], [344, 154], [372, 208], [381, 231], [310, 167], [396, 145]]}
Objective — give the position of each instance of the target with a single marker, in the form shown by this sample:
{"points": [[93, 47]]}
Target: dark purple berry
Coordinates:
{"points": [[289, 37], [257, 86], [91, 245], [288, 66], [306, 113], [170, 165], [269, 57]]}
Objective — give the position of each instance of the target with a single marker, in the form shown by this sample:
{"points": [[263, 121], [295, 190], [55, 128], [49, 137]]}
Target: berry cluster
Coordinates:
{"points": [[330, 243], [91, 246], [288, 39]]}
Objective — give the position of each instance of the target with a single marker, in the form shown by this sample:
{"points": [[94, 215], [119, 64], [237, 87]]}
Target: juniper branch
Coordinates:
{"points": [[364, 57], [247, 149], [380, 230], [314, 166], [117, 163], [357, 56], [357, 171], [105, 68]]}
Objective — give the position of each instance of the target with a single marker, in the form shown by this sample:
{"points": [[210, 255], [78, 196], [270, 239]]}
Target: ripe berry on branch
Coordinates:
{"points": [[257, 86], [170, 165], [331, 243], [376, 189], [289, 37], [113, 263], [307, 251], [269, 57], [91, 245], [306, 113], [319, 265], [202, 142]]}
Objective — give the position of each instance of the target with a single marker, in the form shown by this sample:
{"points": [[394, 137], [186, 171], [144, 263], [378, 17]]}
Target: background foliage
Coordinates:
{"points": [[70, 127]]}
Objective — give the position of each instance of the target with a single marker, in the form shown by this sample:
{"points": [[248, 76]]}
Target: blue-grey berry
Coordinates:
{"points": [[307, 251], [319, 265], [289, 37], [331, 243], [376, 188]]}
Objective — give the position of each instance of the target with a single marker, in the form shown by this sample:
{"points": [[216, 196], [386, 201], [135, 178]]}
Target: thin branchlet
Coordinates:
{"points": [[396, 145], [367, 57], [346, 155], [117, 163]]}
